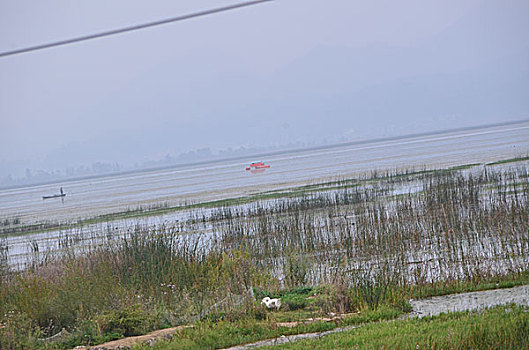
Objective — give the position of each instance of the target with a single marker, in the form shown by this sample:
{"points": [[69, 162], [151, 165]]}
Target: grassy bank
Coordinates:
{"points": [[340, 248], [497, 328], [211, 335]]}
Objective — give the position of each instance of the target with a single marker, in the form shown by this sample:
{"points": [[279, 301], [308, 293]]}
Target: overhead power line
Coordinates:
{"points": [[132, 28]]}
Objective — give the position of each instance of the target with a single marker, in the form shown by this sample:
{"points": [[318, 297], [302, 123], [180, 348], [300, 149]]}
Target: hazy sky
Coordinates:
{"points": [[284, 71]]}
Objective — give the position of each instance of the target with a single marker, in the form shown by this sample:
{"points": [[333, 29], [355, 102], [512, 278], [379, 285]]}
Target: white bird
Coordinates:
{"points": [[271, 303]]}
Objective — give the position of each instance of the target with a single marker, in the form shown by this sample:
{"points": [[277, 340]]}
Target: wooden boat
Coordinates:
{"points": [[58, 195]]}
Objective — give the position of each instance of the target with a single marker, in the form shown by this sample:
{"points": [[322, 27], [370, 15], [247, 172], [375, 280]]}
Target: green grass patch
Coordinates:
{"points": [[504, 327], [214, 335]]}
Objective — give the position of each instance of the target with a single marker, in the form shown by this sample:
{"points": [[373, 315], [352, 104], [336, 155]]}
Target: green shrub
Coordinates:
{"points": [[294, 301], [127, 322], [334, 298]]}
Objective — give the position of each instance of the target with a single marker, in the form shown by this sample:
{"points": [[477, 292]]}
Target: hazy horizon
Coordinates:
{"points": [[284, 72]]}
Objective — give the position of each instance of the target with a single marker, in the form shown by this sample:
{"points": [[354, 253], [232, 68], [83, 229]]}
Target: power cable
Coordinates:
{"points": [[131, 28]]}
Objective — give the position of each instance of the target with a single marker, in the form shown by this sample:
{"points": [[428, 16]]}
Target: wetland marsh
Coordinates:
{"points": [[360, 246]]}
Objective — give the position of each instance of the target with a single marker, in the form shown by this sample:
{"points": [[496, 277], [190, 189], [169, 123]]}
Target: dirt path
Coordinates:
{"points": [[127, 343], [291, 338], [425, 307]]}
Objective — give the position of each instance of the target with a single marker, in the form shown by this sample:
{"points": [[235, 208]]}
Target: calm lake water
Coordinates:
{"points": [[226, 179]]}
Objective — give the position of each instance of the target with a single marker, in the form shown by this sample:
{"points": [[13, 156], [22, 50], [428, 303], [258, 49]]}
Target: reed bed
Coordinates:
{"points": [[459, 226]]}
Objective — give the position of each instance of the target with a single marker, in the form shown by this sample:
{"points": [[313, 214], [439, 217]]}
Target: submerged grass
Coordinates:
{"points": [[13, 226], [510, 160]]}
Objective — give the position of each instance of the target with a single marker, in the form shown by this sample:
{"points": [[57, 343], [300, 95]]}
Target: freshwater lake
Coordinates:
{"points": [[228, 179]]}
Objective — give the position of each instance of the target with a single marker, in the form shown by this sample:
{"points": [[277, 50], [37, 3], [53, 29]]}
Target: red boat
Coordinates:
{"points": [[257, 166]]}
